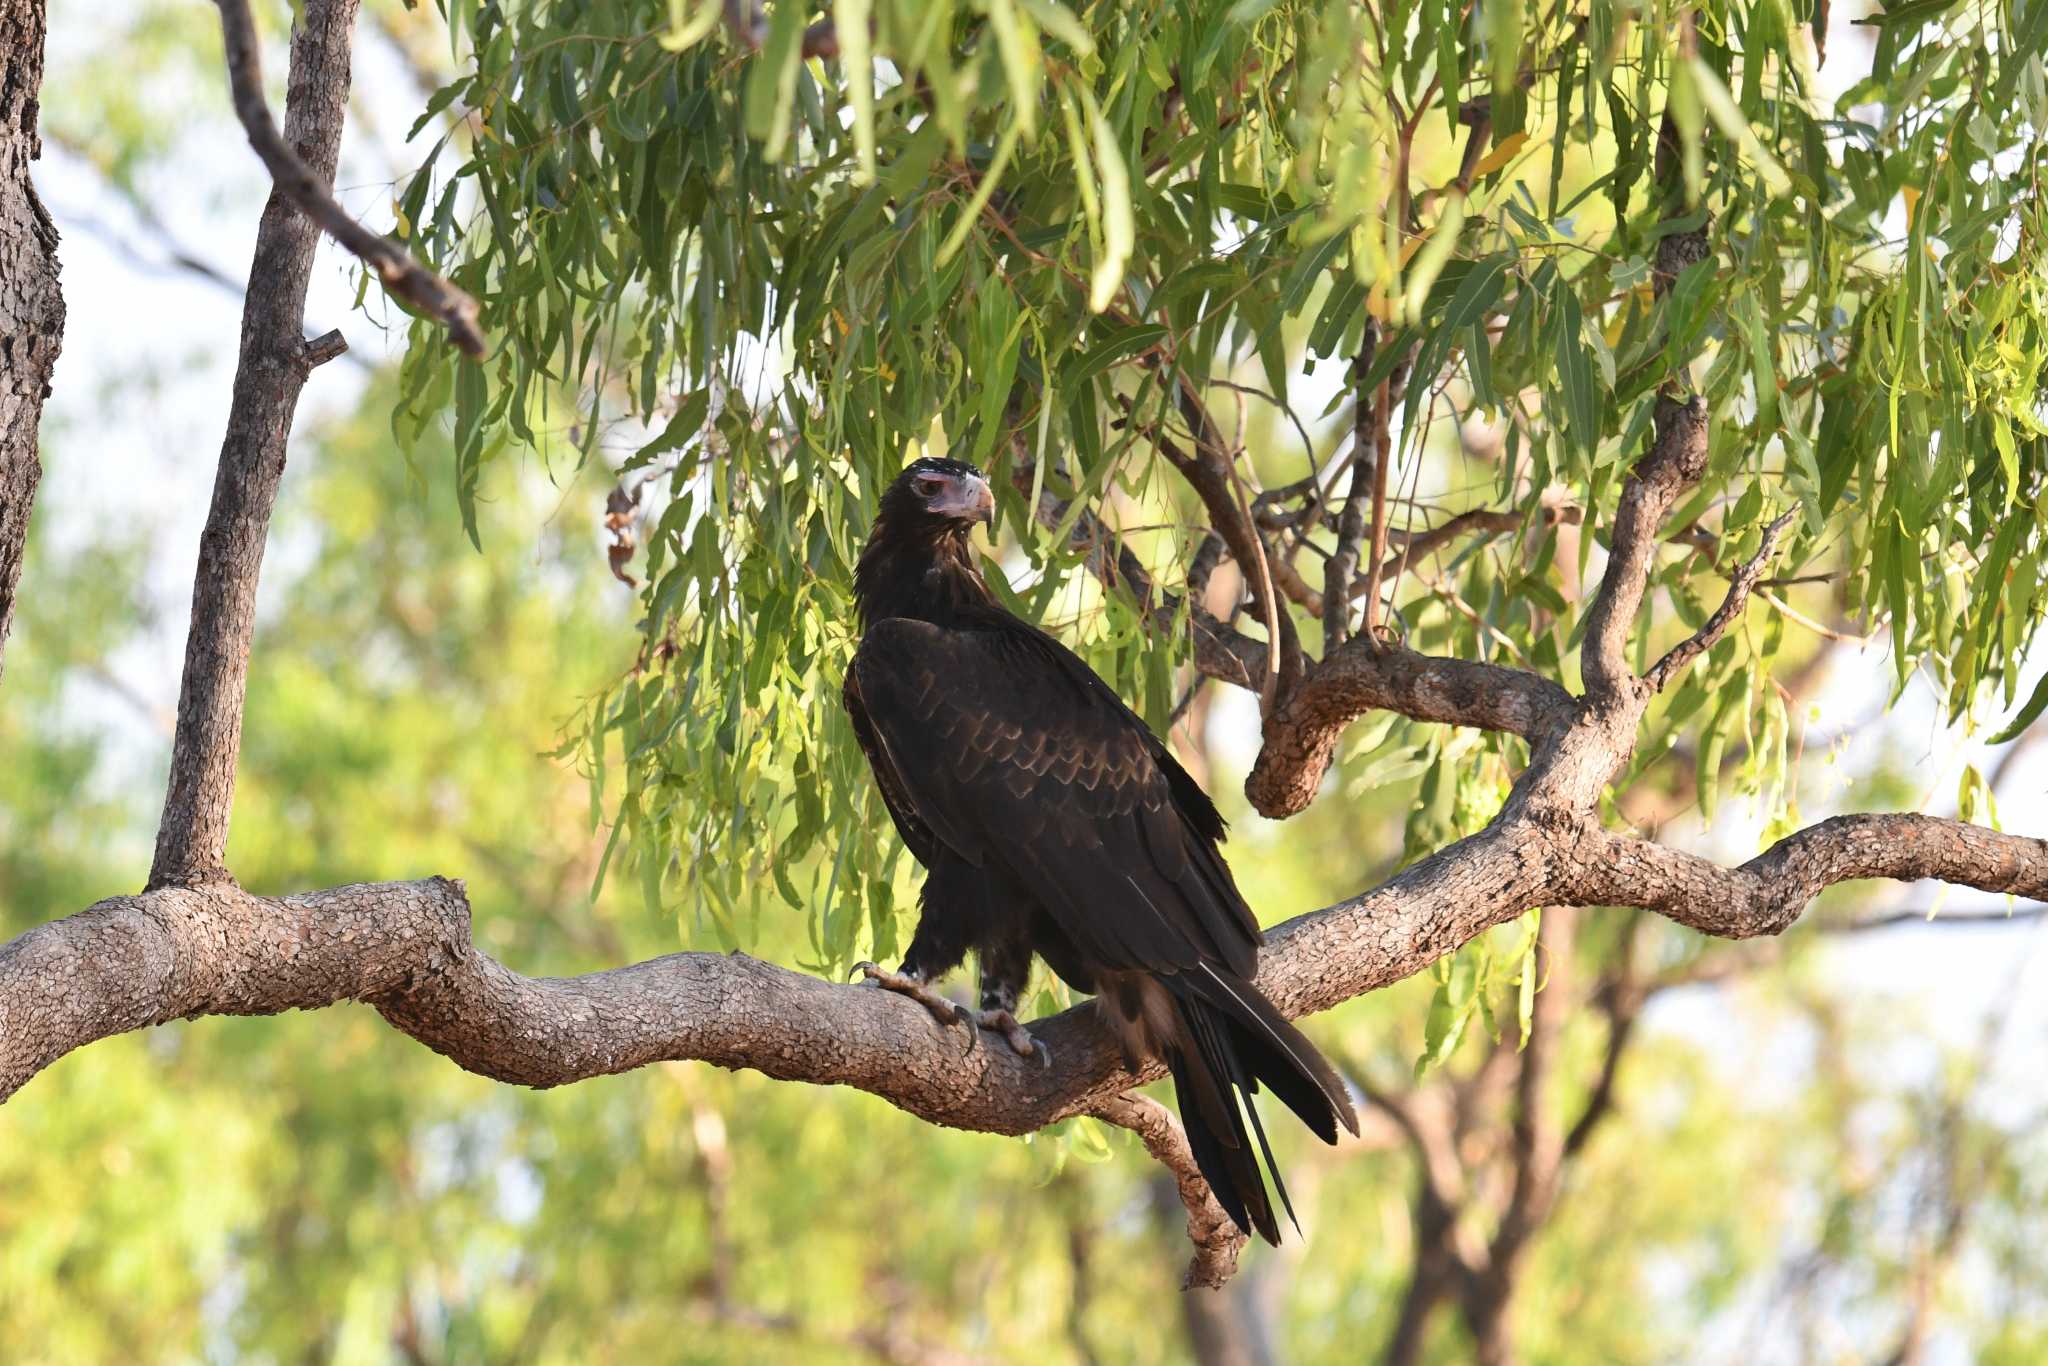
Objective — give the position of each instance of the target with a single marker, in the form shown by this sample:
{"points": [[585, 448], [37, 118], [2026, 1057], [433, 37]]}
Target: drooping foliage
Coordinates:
{"points": [[1038, 236]]}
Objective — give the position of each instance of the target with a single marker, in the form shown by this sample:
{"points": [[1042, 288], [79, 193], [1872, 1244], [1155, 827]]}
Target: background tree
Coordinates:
{"points": [[1104, 251]]}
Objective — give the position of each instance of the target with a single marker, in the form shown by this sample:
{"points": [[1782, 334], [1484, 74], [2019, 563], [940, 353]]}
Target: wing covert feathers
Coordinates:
{"points": [[999, 746]]}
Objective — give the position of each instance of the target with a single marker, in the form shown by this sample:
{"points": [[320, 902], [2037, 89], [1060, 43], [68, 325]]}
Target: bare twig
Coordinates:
{"points": [[1337, 574], [1482, 522], [311, 190], [1221, 651], [1739, 585]]}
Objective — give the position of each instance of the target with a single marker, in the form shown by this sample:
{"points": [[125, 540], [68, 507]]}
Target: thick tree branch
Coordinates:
{"points": [[180, 952], [304, 175], [1676, 460], [1768, 893], [275, 359], [1367, 675]]}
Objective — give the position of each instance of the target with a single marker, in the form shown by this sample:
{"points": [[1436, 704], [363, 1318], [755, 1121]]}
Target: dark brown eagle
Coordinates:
{"points": [[1051, 821]]}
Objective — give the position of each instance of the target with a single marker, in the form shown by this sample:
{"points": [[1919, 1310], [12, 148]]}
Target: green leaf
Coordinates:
{"points": [[1525, 996], [1116, 345], [1450, 1010], [1119, 224], [771, 83], [851, 21], [2030, 712], [1575, 367], [687, 422], [1720, 106]]}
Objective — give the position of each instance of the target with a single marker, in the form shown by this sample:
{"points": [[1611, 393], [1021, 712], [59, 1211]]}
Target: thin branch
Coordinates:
{"points": [[1337, 574], [1482, 522], [1217, 1240], [310, 188], [1221, 651], [1382, 449], [1716, 626], [274, 363], [1934, 919], [1621, 999], [1212, 455], [177, 256], [1214, 477], [1538, 1142]]}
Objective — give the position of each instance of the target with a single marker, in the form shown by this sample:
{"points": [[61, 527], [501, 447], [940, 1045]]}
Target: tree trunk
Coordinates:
{"points": [[31, 305]]}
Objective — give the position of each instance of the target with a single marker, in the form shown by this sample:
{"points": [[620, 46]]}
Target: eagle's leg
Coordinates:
{"points": [[1005, 969], [912, 984], [938, 946]]}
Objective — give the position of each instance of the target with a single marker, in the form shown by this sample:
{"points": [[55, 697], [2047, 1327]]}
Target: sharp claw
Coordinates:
{"points": [[1022, 1041], [917, 990], [865, 969]]}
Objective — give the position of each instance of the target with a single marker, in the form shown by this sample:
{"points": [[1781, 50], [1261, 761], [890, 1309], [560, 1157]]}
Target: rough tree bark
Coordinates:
{"points": [[31, 305], [191, 841]]}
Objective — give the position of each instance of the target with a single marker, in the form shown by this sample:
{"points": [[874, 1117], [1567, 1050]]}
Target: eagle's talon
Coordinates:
{"points": [[1022, 1041], [946, 1012]]}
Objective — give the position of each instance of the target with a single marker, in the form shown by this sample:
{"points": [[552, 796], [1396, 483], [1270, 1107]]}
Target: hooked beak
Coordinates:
{"points": [[967, 498]]}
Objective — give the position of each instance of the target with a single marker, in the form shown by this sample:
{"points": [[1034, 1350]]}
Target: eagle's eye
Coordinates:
{"points": [[929, 485]]}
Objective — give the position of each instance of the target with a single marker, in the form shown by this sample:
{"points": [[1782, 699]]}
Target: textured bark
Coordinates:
{"points": [[31, 305], [192, 839], [1767, 894], [1676, 460], [1217, 1240], [179, 952], [1366, 675]]}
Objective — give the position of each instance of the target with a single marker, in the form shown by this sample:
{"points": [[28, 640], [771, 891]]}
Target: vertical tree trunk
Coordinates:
{"points": [[191, 842], [31, 305], [1431, 1280]]}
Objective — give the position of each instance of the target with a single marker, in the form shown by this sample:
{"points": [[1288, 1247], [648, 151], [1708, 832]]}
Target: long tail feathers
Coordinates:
{"points": [[1230, 1040]]}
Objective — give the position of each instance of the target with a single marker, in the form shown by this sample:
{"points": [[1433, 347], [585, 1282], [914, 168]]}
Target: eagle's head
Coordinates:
{"points": [[936, 497]]}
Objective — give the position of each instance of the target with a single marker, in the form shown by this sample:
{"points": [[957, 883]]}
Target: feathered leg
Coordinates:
{"points": [[949, 917], [1005, 971]]}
